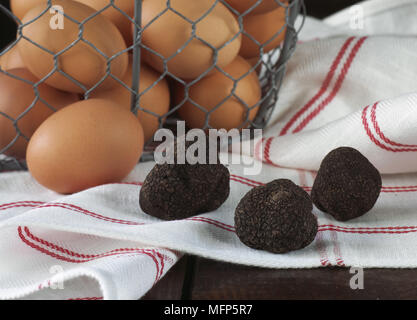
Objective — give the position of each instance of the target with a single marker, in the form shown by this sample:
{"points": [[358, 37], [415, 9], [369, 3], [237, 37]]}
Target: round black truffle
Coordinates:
{"points": [[276, 217], [179, 191], [347, 184]]}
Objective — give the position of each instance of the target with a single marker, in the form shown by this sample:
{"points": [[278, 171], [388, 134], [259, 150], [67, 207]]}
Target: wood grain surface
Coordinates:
{"points": [[214, 280]]}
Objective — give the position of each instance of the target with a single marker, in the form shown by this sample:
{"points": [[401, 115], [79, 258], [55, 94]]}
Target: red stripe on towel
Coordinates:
{"points": [[323, 88], [336, 88], [376, 141], [25, 240], [381, 134]]}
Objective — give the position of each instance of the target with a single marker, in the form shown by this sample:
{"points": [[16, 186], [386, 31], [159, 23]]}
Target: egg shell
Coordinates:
{"points": [[16, 96], [169, 33], [265, 6], [11, 59], [21, 7], [268, 29], [254, 62], [86, 144], [114, 15], [213, 89], [81, 61], [155, 100]]}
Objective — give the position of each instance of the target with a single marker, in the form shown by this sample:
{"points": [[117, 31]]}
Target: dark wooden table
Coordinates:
{"points": [[201, 279]]}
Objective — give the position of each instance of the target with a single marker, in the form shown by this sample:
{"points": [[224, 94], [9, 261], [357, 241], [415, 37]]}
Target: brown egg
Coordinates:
{"points": [[81, 61], [16, 97], [155, 100], [11, 59], [268, 29], [86, 144], [255, 62], [244, 5], [114, 15], [170, 32], [21, 7], [213, 89]]}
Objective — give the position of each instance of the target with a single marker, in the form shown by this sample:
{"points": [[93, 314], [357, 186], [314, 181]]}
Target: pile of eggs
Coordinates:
{"points": [[194, 54]]}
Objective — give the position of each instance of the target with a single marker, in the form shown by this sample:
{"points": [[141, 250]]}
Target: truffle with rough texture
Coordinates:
{"points": [[276, 217], [179, 191], [347, 184]]}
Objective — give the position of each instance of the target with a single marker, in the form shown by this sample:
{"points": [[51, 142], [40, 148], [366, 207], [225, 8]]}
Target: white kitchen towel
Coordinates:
{"points": [[343, 87]]}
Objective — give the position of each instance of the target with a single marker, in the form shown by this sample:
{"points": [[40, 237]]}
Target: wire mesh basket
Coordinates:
{"points": [[268, 64]]}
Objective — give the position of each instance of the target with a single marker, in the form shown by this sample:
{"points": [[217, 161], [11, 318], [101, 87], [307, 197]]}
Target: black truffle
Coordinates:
{"points": [[276, 217], [179, 191], [347, 184]]}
